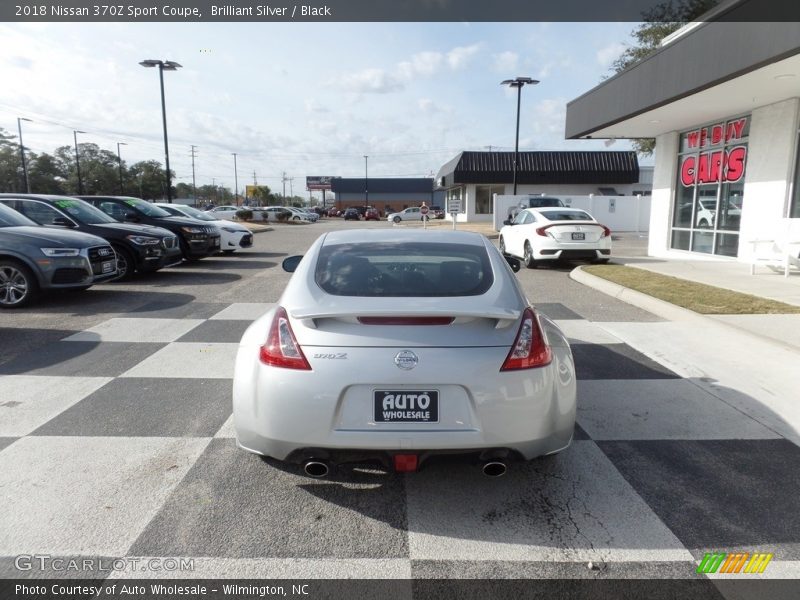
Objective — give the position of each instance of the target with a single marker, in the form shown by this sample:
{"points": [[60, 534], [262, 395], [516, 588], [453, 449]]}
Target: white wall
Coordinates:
{"points": [[619, 213], [770, 163], [664, 174]]}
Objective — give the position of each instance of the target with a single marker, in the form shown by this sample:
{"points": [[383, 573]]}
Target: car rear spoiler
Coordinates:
{"points": [[503, 316]]}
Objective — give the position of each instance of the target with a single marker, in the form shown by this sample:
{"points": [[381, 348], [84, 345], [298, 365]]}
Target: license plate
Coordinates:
{"points": [[578, 236], [215, 242], [406, 406], [108, 266]]}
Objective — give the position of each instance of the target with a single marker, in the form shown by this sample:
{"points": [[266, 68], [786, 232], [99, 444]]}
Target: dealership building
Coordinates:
{"points": [[722, 100], [471, 179], [385, 194]]}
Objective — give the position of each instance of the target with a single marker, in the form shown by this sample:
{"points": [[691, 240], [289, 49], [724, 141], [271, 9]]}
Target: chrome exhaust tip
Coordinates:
{"points": [[316, 468], [494, 468]]}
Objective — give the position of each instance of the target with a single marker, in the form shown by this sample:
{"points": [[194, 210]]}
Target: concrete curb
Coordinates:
{"points": [[654, 305], [663, 309]]}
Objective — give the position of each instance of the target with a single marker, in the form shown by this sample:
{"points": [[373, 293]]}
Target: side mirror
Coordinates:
{"points": [[513, 263], [290, 263], [508, 222], [131, 217], [63, 222]]}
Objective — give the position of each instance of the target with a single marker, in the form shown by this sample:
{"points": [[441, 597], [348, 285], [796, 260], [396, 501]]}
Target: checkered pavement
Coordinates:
{"points": [[117, 441]]}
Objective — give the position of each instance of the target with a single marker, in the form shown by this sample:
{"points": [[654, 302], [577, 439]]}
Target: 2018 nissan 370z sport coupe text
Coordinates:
{"points": [[397, 347]]}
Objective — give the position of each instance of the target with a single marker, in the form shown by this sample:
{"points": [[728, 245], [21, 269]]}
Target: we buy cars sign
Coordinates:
{"points": [[725, 164]]}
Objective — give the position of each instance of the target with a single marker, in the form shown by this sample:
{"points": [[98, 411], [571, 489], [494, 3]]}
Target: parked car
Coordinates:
{"points": [[540, 235], [142, 248], [37, 259], [226, 213], [440, 321], [438, 212], [334, 212], [195, 238], [233, 236], [372, 214], [412, 213], [351, 214], [305, 214], [274, 214]]}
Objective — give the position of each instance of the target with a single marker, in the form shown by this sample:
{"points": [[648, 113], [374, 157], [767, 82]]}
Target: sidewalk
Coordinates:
{"points": [[783, 329]]}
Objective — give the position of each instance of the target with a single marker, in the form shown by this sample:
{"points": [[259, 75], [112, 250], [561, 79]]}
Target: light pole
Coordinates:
{"points": [[164, 65], [22, 154], [119, 162], [235, 179], [366, 181], [518, 83], [75, 133]]}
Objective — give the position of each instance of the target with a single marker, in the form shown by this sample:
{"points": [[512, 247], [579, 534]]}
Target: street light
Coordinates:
{"points": [[75, 133], [119, 161], [366, 181], [235, 179], [518, 83], [164, 65], [22, 154]]}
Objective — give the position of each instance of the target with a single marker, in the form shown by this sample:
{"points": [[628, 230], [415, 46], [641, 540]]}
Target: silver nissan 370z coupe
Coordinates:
{"points": [[396, 347]]}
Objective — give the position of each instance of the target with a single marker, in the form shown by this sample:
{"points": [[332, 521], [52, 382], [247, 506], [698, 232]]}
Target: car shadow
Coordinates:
{"points": [[223, 264], [179, 276]]}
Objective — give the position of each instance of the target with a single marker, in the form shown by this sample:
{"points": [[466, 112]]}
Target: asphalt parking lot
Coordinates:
{"points": [[116, 442]]}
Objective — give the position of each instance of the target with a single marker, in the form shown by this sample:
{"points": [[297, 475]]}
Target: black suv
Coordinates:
{"points": [[196, 239], [140, 248]]}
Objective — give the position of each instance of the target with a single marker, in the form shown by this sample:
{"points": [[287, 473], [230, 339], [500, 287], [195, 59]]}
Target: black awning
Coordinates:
{"points": [[541, 168]]}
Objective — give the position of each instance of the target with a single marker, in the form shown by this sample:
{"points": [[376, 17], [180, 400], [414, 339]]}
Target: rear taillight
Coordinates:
{"points": [[405, 320], [281, 348], [606, 231], [543, 230], [529, 350]]}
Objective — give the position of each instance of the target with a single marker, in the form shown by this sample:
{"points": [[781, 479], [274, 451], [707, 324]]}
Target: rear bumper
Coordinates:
{"points": [[286, 414]]}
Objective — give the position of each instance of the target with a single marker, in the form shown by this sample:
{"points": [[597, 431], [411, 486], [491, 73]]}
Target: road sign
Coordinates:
{"points": [[454, 205], [424, 209]]}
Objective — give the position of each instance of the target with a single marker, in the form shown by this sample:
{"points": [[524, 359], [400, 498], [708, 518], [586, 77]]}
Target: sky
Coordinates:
{"points": [[301, 98]]}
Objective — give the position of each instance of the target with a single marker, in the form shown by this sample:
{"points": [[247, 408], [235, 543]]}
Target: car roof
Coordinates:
{"points": [[543, 210]]}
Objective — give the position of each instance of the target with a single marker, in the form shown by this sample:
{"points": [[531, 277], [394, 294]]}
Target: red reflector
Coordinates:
{"points": [[405, 463], [406, 320]]}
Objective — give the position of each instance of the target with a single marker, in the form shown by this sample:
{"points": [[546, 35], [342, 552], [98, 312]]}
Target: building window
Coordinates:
{"points": [[483, 198], [709, 188]]}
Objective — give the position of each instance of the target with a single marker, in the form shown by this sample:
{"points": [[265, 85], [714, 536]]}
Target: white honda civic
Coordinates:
{"points": [[398, 347], [540, 235], [233, 236]]}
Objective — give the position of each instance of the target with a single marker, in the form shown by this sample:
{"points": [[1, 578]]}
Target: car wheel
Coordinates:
{"points": [[125, 262], [17, 284], [502, 245], [296, 218], [396, 220], [530, 262]]}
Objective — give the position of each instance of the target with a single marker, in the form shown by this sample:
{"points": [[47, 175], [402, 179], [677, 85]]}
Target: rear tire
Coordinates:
{"points": [[396, 220], [18, 286], [530, 262]]}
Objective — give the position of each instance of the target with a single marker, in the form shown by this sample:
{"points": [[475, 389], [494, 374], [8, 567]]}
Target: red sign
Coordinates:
{"points": [[423, 209], [716, 134], [710, 167]]}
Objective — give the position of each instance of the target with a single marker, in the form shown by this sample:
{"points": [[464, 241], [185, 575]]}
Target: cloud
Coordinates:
{"points": [[458, 58], [608, 54], [312, 106], [20, 62], [371, 81], [424, 64], [506, 62]]}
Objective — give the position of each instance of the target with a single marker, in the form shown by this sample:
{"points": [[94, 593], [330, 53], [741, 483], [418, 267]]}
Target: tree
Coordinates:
{"points": [[10, 167], [44, 175], [99, 169], [659, 21], [147, 180]]}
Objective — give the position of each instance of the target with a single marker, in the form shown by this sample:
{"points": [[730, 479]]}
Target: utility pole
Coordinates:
{"points": [[194, 183], [22, 154], [283, 180], [366, 180], [236, 179], [214, 185]]}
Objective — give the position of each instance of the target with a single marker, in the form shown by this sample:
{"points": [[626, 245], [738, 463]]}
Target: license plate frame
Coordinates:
{"points": [[578, 236], [402, 408], [107, 267]]}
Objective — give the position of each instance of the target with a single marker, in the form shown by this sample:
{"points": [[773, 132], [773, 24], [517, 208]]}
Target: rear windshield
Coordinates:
{"points": [[566, 215], [404, 269]]}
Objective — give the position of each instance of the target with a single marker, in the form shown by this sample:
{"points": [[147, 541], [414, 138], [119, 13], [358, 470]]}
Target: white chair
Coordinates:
{"points": [[780, 253]]}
